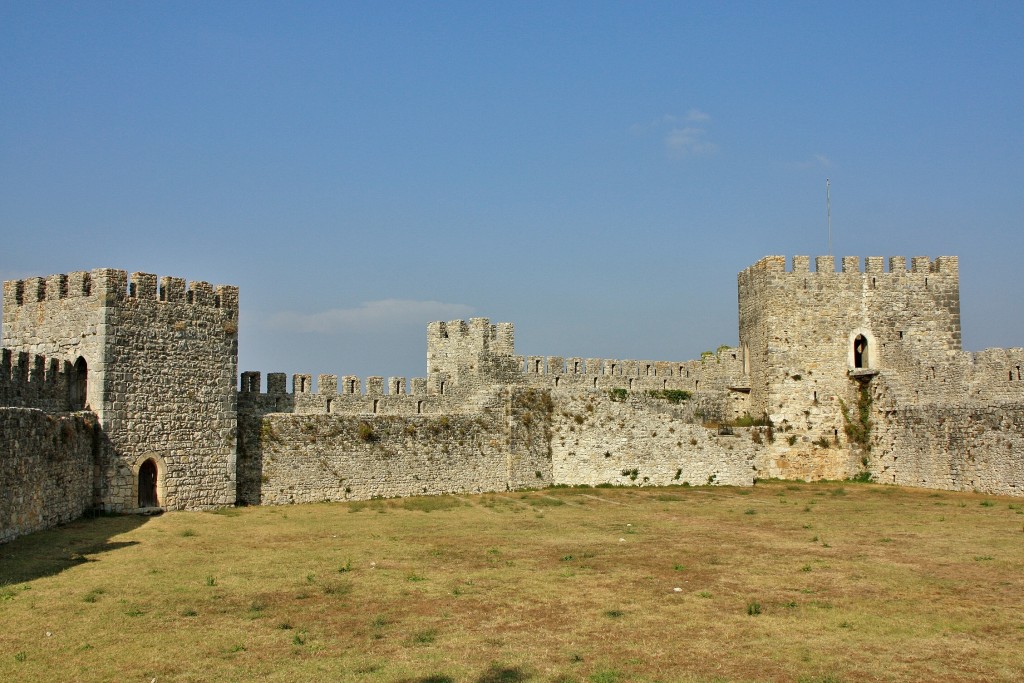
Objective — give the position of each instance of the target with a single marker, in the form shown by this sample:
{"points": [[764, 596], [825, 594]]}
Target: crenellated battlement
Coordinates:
{"points": [[826, 265], [350, 397], [109, 286], [614, 367], [477, 332], [328, 385], [28, 379]]}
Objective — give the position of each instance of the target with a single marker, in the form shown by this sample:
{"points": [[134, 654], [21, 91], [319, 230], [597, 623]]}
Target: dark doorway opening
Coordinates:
{"points": [[78, 384], [147, 485], [860, 352]]}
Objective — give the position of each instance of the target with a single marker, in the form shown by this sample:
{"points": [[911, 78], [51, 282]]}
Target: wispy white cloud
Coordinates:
{"points": [[816, 161], [688, 142], [371, 315], [683, 135], [695, 115]]}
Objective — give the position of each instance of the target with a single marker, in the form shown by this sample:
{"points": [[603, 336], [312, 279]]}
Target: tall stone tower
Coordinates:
{"points": [[807, 336], [158, 366]]}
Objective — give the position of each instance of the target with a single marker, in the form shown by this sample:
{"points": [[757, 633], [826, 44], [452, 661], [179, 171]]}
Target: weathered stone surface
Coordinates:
{"points": [[46, 472]]}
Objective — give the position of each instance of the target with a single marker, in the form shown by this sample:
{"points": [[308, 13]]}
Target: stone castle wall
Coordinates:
{"points": [[46, 469], [958, 448], [304, 456], [638, 439], [156, 362]]}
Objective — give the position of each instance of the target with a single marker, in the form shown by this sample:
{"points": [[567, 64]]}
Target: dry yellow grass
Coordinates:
{"points": [[851, 581]]}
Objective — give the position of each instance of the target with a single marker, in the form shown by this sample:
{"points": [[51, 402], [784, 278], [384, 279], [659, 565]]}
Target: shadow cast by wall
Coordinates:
{"points": [[49, 552]]}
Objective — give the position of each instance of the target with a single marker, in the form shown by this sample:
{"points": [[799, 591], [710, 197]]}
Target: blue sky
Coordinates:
{"points": [[595, 172]]}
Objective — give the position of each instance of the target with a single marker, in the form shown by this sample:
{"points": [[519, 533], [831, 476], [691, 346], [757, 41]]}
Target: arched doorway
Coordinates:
{"points": [[860, 351], [78, 384], [147, 485]]}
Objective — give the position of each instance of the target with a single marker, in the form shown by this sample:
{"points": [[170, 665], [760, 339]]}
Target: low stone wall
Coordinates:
{"points": [[46, 469], [634, 439], [976, 448]]}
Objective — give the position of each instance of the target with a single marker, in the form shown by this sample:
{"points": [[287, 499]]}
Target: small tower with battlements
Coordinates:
{"points": [[156, 361], [466, 355]]}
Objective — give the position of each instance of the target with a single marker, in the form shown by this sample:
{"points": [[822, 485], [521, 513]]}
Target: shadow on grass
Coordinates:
{"points": [[49, 552], [494, 674], [503, 674]]}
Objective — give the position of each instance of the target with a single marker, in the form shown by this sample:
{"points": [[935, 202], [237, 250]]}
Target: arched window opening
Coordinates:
{"points": [[147, 485], [77, 386], [860, 351]]}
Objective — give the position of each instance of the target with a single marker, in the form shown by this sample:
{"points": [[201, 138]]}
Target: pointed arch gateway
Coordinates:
{"points": [[147, 485]]}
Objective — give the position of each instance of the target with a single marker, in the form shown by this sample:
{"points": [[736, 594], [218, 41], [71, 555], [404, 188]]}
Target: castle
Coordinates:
{"points": [[121, 393]]}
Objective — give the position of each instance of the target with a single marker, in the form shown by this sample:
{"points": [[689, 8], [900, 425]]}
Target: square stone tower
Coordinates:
{"points": [[465, 356], [158, 366], [807, 336]]}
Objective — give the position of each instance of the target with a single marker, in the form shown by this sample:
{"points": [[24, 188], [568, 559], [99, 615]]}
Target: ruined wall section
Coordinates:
{"points": [[172, 357], [639, 440], [46, 469], [716, 381], [953, 447], [294, 458], [797, 329], [994, 375]]}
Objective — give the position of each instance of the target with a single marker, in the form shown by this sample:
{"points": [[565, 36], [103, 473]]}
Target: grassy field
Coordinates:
{"points": [[784, 581]]}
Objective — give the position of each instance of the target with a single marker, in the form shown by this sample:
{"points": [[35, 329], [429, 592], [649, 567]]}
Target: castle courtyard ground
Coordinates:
{"points": [[833, 581]]}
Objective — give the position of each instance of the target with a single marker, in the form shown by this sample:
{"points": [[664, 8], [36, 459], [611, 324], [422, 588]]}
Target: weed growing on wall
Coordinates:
{"points": [[858, 428], [671, 395], [618, 394], [366, 433]]}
